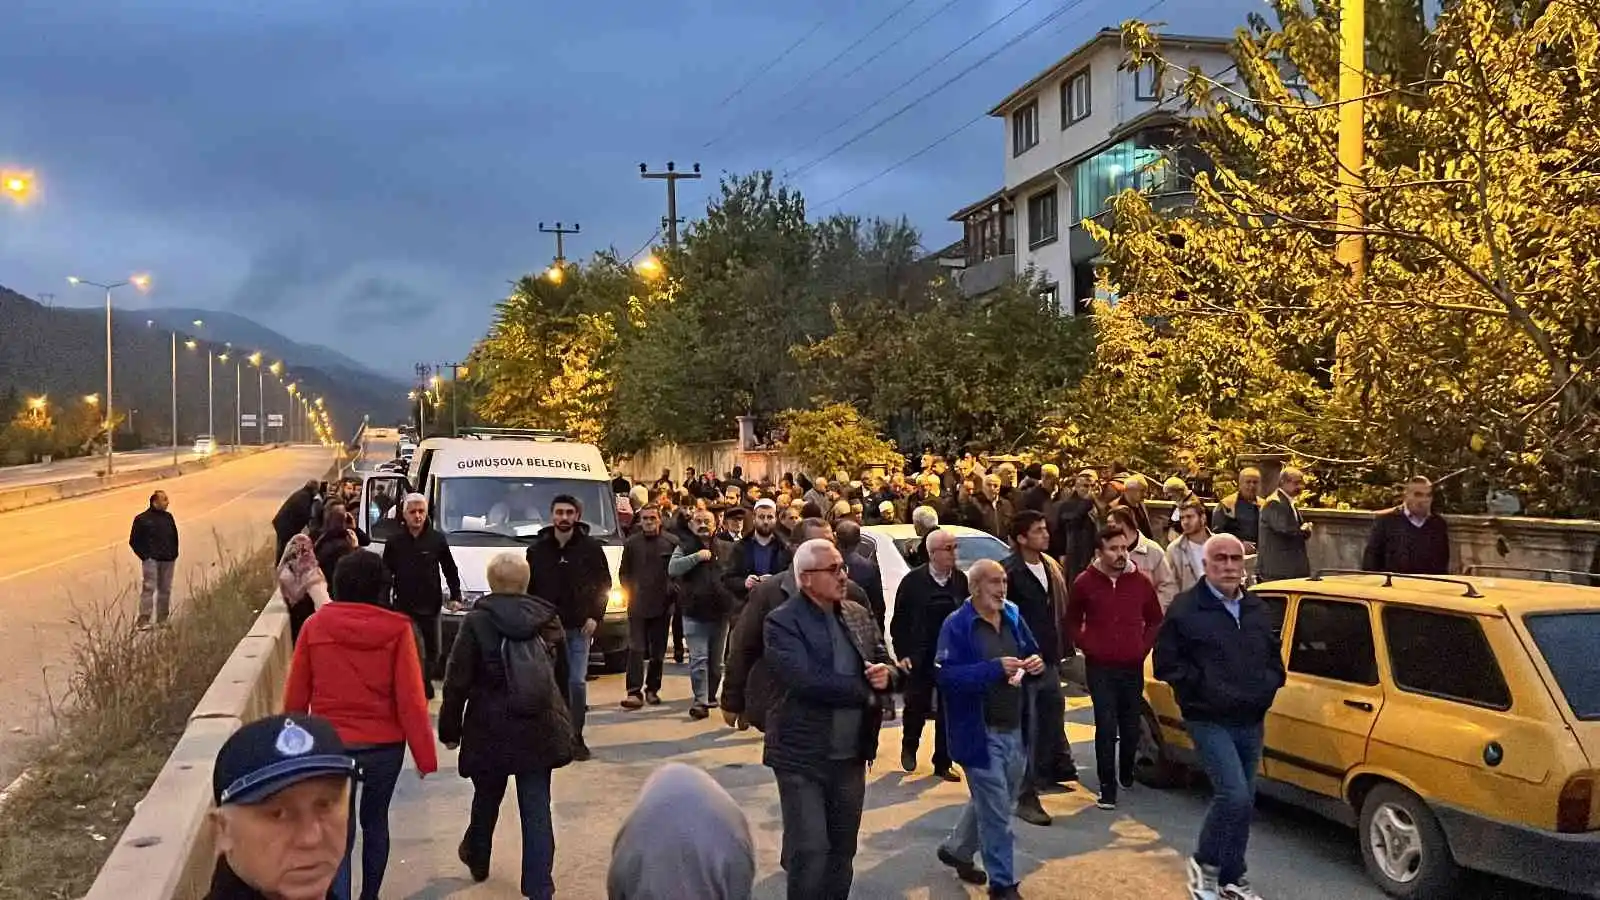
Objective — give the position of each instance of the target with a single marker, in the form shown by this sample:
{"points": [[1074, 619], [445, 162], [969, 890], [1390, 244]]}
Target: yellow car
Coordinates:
{"points": [[1454, 722]]}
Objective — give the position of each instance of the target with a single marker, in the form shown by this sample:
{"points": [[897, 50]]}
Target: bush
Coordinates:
{"points": [[836, 437], [130, 697]]}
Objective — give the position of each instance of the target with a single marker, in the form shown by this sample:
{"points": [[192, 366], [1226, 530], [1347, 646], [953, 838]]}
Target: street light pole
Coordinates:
{"points": [[261, 409], [174, 398], [142, 282]]}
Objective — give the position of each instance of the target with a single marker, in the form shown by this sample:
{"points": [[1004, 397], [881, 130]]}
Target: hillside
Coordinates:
{"points": [[224, 327], [61, 352]]}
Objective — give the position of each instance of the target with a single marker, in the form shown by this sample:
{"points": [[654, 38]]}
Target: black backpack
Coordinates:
{"points": [[531, 688]]}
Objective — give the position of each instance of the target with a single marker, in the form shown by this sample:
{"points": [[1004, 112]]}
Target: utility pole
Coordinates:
{"points": [[560, 233], [670, 176], [1352, 248], [422, 401], [455, 378], [48, 300]]}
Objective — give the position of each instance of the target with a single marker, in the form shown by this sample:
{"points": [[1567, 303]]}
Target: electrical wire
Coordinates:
{"points": [[643, 247], [809, 78], [986, 58], [772, 64], [897, 88]]}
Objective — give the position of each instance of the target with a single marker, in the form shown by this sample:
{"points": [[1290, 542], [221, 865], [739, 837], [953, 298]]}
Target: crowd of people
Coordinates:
{"points": [[784, 621]]}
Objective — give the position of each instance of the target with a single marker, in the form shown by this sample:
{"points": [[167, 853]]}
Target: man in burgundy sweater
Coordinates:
{"points": [[1113, 615], [1409, 539]]}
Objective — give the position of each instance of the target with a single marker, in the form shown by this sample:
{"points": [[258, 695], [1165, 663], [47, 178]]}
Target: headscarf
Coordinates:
{"points": [[298, 571], [685, 838]]}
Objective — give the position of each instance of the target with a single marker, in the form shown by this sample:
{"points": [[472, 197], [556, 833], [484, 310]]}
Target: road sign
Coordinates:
{"points": [[274, 420], [247, 420]]}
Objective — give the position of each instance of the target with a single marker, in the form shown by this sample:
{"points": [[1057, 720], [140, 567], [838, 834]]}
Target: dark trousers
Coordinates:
{"points": [[1116, 692], [919, 709], [380, 772], [298, 614], [1049, 755], [677, 633], [427, 633], [821, 821], [647, 643], [538, 834]]}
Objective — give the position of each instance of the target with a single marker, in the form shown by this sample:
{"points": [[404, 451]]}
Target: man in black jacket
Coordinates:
{"points": [[293, 516], [926, 597], [758, 556], [1409, 539], [570, 570], [829, 661], [416, 558], [747, 690], [1073, 534], [1035, 583], [700, 566], [643, 574], [1219, 650], [154, 539]]}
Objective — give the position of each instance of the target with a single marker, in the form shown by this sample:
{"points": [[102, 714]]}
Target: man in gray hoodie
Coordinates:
{"points": [[685, 838]]}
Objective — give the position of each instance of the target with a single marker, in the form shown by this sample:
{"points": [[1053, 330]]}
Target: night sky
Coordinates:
{"points": [[369, 175]]}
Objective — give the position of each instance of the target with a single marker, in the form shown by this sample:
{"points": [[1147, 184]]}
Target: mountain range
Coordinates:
{"points": [[60, 352]]}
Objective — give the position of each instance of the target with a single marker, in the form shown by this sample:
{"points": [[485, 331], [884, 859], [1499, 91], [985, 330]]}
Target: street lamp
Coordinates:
{"points": [[37, 405], [140, 282], [211, 399], [150, 323], [650, 267], [17, 185], [261, 400]]}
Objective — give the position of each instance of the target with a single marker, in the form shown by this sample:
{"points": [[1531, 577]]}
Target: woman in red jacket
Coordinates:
{"points": [[356, 666]]}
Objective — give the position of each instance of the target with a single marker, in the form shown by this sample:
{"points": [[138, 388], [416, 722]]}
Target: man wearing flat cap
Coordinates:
{"points": [[282, 791]]}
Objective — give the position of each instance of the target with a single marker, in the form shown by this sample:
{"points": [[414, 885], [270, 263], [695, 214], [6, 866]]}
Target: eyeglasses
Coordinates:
{"points": [[826, 570], [1227, 557]]}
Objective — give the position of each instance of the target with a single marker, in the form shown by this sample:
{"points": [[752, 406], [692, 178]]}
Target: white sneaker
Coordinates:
{"points": [[1202, 882], [1239, 890]]}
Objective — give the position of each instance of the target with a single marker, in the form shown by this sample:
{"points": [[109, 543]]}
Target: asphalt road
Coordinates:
{"points": [[1135, 853], [64, 560], [85, 466]]}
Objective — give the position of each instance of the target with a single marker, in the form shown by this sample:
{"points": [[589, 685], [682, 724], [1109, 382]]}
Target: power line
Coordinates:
{"points": [[644, 246], [947, 136], [771, 64], [810, 76], [1018, 38], [897, 88], [899, 40]]}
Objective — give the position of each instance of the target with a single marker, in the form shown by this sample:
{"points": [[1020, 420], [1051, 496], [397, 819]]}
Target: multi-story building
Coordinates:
{"points": [[1076, 135]]}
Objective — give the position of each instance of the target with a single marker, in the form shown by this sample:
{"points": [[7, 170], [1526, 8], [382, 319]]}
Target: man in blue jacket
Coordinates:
{"points": [[988, 666]]}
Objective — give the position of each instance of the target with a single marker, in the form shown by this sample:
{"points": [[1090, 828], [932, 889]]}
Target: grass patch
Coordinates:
{"points": [[131, 695]]}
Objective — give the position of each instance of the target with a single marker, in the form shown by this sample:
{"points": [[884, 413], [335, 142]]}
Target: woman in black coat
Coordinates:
{"points": [[501, 736]]}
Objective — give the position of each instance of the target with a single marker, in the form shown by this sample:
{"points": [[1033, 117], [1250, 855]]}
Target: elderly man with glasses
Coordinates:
{"points": [[834, 674]]}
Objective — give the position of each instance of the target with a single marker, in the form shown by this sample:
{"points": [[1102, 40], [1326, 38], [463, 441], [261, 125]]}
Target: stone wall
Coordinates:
{"points": [[716, 456]]}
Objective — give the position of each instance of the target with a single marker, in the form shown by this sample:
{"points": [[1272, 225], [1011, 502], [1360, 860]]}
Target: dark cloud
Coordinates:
{"points": [[302, 160]]}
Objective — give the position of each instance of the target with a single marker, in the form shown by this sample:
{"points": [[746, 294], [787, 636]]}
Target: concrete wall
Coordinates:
{"points": [[716, 456], [166, 852], [35, 494], [1338, 536]]}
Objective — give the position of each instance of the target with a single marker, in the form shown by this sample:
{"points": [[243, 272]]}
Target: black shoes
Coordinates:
{"points": [[652, 698], [479, 870], [1009, 892], [580, 751], [1031, 811], [908, 760], [698, 712], [947, 774], [965, 870]]}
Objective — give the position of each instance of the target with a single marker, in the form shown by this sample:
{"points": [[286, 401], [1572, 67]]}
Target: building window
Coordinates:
{"points": [[1075, 98], [1042, 218], [1147, 82], [1025, 128], [1050, 297]]}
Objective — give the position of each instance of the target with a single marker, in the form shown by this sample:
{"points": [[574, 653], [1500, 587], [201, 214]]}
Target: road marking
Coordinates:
{"points": [[104, 547]]}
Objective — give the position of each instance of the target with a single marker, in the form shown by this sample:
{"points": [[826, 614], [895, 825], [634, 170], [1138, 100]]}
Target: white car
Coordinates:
{"points": [[891, 543], [205, 445]]}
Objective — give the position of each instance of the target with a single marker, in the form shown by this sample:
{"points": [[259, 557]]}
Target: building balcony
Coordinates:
{"points": [[980, 278]]}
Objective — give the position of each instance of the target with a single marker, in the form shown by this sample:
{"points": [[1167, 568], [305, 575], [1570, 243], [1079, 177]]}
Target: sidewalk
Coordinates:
{"points": [[906, 817]]}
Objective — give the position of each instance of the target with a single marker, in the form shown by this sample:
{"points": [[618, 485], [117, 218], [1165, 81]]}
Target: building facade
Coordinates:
{"points": [[1076, 135]]}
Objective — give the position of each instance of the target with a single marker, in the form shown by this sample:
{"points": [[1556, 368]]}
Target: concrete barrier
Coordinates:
{"points": [[35, 494], [166, 852]]}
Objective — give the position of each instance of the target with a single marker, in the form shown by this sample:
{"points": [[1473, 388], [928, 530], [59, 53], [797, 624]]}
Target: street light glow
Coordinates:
{"points": [[191, 343], [17, 184], [199, 323], [37, 403], [140, 281], [649, 267], [255, 359], [276, 368], [555, 274], [92, 399]]}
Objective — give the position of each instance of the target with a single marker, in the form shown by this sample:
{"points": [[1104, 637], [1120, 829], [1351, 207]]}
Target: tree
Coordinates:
{"points": [[836, 437], [1468, 347]]}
